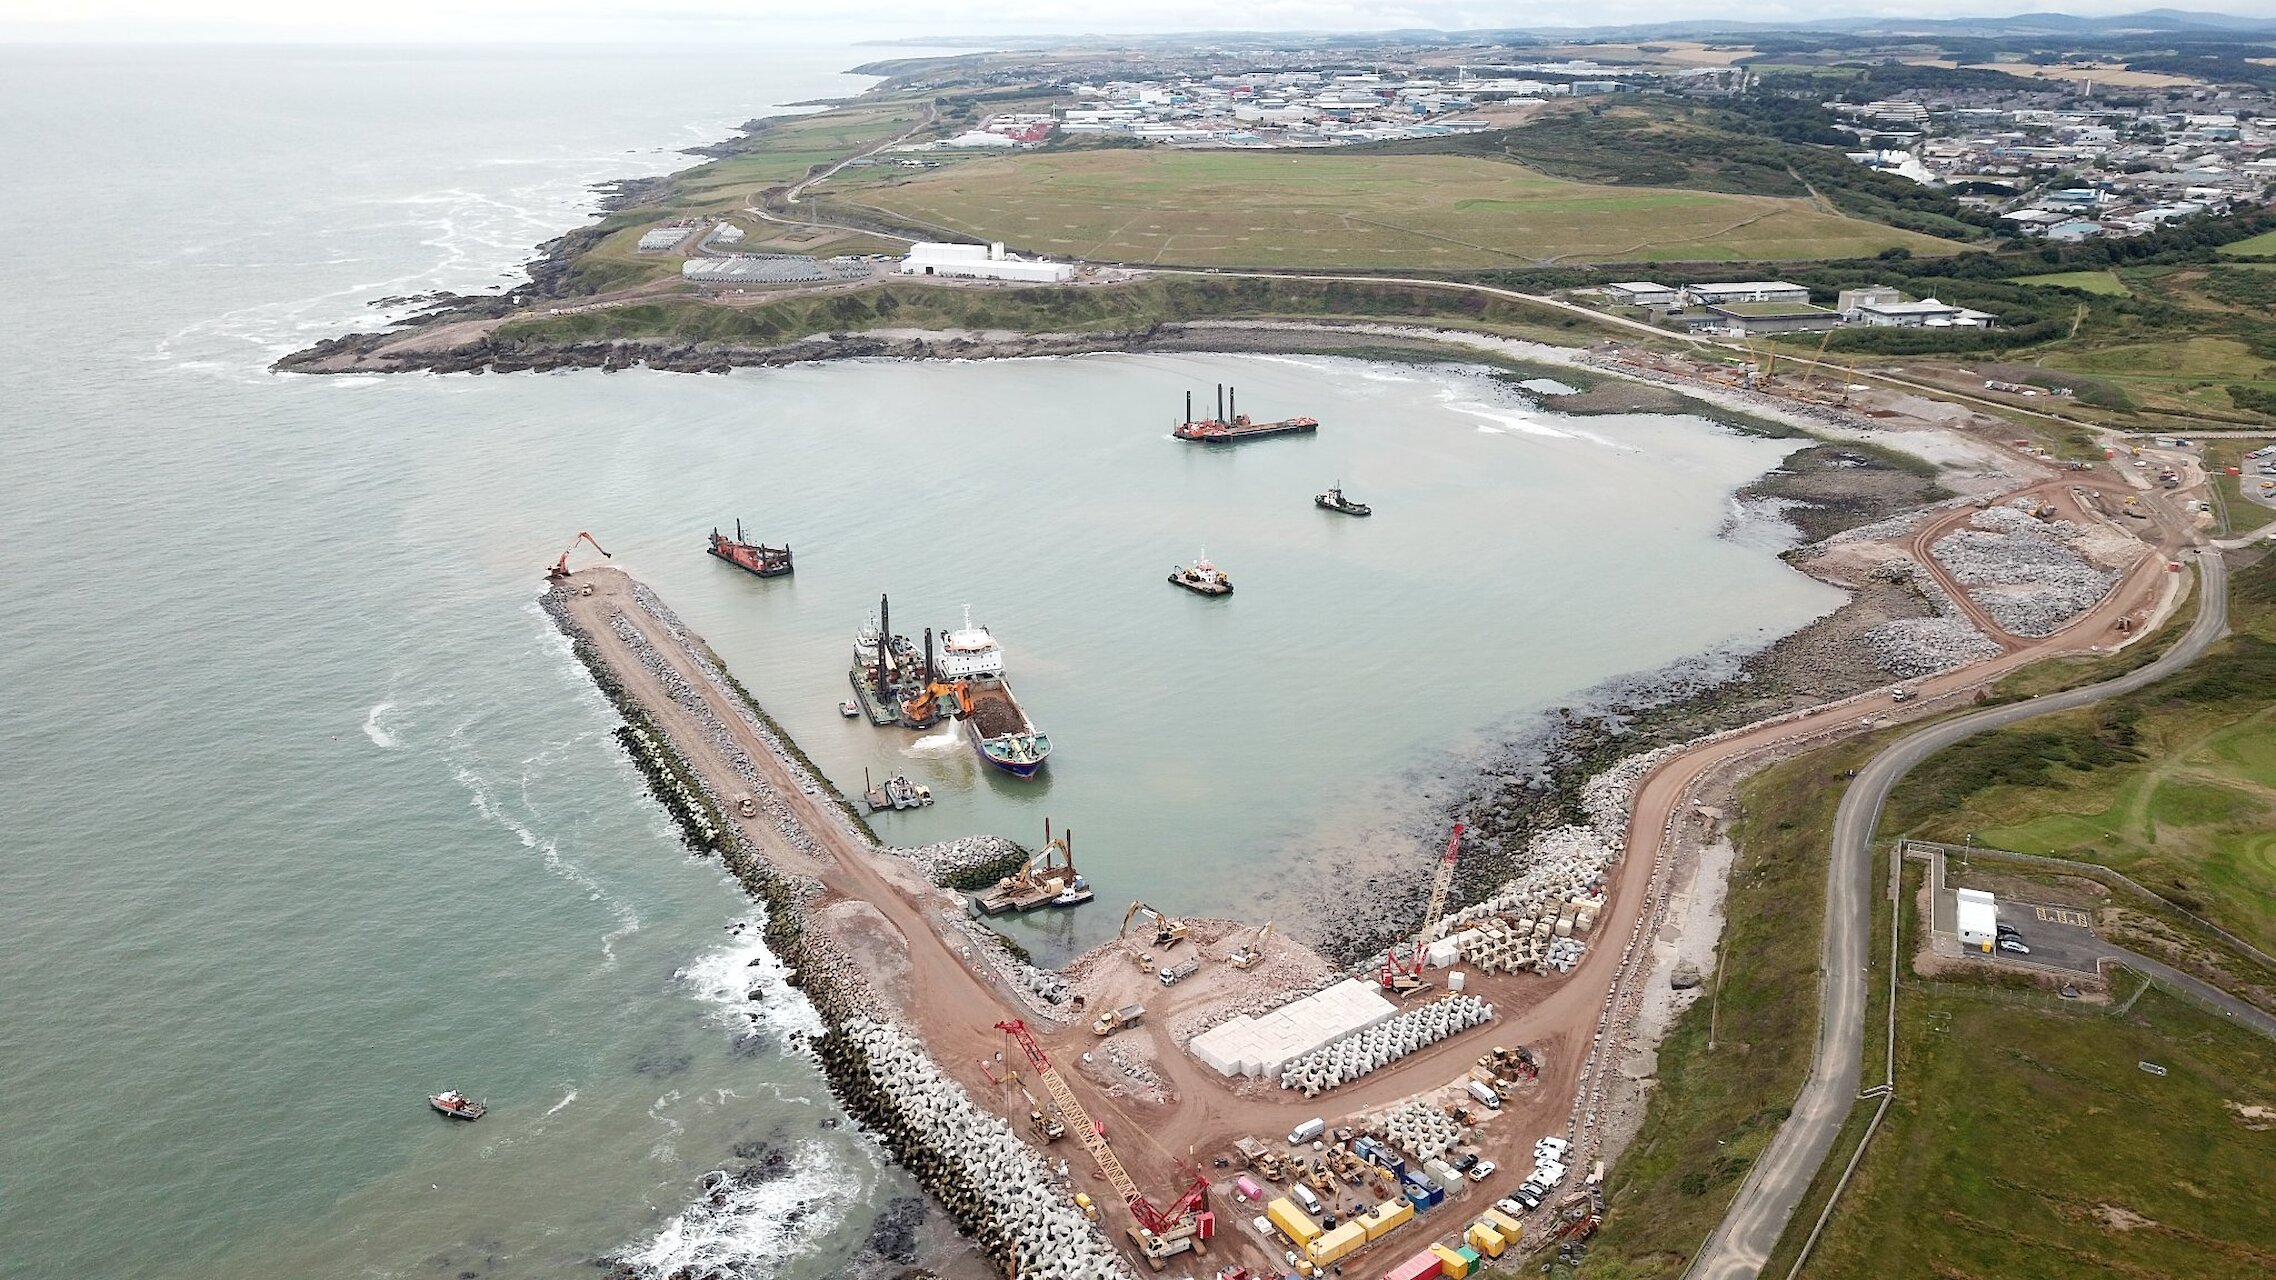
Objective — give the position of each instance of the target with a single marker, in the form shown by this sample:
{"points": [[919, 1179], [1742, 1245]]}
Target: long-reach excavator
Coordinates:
{"points": [[1404, 977], [1158, 1234], [560, 567], [1251, 951]]}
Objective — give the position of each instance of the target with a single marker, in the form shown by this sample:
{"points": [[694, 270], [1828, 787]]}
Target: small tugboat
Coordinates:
{"points": [[1202, 578], [850, 709], [457, 1105], [1077, 892], [751, 557], [1333, 500]]}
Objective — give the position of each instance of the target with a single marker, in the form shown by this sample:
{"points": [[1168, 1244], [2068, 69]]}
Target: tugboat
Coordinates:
{"points": [[1077, 892], [1202, 578], [850, 709], [1333, 500], [751, 557], [457, 1105]]}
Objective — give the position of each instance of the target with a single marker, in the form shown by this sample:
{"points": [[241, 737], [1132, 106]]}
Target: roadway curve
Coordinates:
{"points": [[1758, 1217]]}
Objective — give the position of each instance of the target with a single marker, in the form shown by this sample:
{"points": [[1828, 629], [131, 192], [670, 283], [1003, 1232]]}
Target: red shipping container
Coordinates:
{"points": [[1423, 1266]]}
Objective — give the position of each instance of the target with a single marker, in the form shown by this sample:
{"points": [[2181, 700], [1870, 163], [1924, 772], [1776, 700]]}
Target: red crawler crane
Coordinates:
{"points": [[1404, 977], [560, 567], [1159, 1235]]}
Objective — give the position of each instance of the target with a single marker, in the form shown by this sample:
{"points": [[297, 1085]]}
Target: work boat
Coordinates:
{"points": [[1202, 577], [457, 1105], [969, 652], [1333, 500]]}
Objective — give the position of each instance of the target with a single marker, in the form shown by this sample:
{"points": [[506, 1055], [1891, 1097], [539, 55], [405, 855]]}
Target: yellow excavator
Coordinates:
{"points": [[1167, 932], [1251, 951]]}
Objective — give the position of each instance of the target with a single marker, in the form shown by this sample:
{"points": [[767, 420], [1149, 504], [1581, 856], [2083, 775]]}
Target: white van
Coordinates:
{"points": [[1307, 1131], [1486, 1097], [1309, 1201]]}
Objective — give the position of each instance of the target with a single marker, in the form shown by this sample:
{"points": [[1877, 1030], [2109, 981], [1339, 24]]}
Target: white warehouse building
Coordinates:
{"points": [[981, 262]]}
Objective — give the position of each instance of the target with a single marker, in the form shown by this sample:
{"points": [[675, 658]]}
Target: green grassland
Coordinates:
{"points": [[2102, 282], [2174, 785], [2024, 1142], [1370, 211], [2259, 246]]}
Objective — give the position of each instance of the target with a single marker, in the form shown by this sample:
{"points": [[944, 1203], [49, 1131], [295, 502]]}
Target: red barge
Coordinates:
{"points": [[1231, 426], [752, 557]]}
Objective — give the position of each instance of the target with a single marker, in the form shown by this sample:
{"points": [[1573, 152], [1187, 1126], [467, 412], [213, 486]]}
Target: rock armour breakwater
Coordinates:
{"points": [[995, 1188]]}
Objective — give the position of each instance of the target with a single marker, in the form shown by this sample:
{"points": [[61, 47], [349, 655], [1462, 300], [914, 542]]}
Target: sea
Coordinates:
{"points": [[306, 811]]}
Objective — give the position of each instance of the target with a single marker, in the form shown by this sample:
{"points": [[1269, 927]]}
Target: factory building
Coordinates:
{"points": [[1707, 295], [981, 262]]}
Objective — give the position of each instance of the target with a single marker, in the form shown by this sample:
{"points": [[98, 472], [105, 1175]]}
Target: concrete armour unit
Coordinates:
{"points": [[1264, 1045]]}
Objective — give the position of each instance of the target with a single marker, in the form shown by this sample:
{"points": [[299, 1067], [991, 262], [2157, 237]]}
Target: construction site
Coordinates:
{"points": [[1210, 1097]]}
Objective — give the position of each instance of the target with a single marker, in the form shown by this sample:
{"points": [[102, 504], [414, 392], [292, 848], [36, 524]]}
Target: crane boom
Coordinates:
{"points": [[1149, 1217], [1439, 885], [560, 567]]}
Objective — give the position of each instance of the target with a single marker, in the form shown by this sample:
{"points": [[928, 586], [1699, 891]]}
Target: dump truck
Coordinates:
{"points": [[1178, 973], [1113, 1020]]}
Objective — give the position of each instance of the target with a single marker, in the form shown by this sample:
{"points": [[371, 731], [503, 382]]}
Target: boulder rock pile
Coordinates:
{"points": [[1911, 647], [2023, 570]]}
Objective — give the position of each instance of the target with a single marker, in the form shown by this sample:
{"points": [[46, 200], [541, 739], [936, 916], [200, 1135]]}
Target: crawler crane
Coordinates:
{"points": [[1404, 977]]}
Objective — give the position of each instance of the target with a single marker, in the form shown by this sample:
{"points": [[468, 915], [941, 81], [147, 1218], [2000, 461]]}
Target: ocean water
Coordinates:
{"points": [[308, 813]]}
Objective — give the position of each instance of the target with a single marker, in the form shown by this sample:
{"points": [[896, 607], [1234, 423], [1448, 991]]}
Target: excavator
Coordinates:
{"points": [[1403, 977], [560, 567], [1167, 932], [1251, 951], [1047, 1126], [925, 707]]}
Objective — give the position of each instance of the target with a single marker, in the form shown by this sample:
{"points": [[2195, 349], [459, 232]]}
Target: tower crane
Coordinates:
{"points": [[1159, 1235], [560, 567], [1404, 977]]}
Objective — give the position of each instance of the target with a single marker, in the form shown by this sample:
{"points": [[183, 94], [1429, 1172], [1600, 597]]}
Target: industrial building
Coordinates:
{"points": [[1979, 919], [1753, 319], [981, 262], [666, 237], [1707, 295], [1640, 293], [1926, 312]]}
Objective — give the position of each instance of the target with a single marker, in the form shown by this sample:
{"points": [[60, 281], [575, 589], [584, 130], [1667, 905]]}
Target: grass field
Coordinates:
{"points": [[2103, 282], [2174, 785], [2259, 246], [1360, 211], [2025, 1142]]}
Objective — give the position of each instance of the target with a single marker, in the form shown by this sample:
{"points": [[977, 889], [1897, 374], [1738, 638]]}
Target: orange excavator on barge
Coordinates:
{"points": [[1230, 426]]}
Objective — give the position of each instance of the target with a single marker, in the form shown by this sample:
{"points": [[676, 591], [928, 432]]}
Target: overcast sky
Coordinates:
{"points": [[664, 20]]}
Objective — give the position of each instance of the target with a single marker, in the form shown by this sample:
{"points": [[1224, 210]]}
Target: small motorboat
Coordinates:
{"points": [[849, 709], [1333, 500], [457, 1105], [1077, 892]]}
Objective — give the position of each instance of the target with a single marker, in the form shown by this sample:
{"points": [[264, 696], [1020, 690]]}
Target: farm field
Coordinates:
{"points": [[2259, 246], [1358, 211]]}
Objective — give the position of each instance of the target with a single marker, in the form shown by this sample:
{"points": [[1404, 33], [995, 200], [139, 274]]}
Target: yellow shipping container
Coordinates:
{"points": [[1511, 1229], [1388, 1216], [1457, 1266], [1292, 1221], [1482, 1237], [1338, 1244]]}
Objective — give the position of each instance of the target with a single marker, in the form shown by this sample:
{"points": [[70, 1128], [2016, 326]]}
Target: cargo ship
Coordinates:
{"points": [[1231, 426], [1202, 578], [751, 557], [999, 729], [1333, 500]]}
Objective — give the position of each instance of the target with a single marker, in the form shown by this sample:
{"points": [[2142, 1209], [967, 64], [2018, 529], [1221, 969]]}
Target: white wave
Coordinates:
{"points": [[667, 1145], [377, 732], [1502, 417], [566, 1099], [752, 1231], [489, 806], [726, 977]]}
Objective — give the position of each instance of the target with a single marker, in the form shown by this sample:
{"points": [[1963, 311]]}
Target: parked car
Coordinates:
{"points": [[2007, 931], [1527, 1196], [1465, 1162], [1510, 1206], [2013, 947], [1481, 1171]]}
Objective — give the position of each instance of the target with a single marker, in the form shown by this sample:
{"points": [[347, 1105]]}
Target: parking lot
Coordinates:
{"points": [[2060, 938]]}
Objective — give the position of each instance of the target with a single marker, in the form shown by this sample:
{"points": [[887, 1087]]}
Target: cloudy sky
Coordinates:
{"points": [[664, 20]]}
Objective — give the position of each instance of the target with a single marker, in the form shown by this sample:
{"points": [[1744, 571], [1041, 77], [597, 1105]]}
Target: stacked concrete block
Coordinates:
{"points": [[1422, 1131], [1264, 1045], [1378, 1046]]}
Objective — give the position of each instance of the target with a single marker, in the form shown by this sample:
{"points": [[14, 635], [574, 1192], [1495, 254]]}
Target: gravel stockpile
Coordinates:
{"points": [[2024, 571], [1912, 647]]}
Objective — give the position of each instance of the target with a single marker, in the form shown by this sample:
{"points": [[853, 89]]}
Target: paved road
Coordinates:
{"points": [[2238, 1011], [1776, 1184]]}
